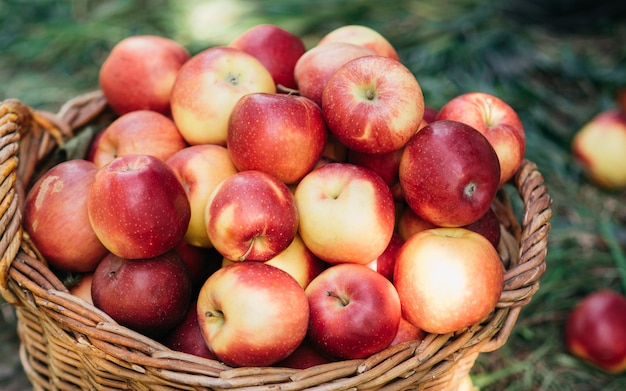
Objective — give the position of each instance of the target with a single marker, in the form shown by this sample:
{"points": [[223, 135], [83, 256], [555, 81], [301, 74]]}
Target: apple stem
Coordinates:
{"points": [[289, 91], [248, 250], [344, 302], [370, 94]]}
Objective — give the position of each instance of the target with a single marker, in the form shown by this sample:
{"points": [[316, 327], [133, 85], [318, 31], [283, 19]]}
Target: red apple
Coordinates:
{"points": [[82, 288], [251, 216], [252, 314], [149, 295], [407, 331], [139, 72], [305, 356], [430, 114], [207, 88], [200, 168], [497, 121], [488, 226], [385, 263], [595, 332], [276, 48], [363, 36], [448, 279], [409, 223], [317, 65], [373, 104], [137, 207], [347, 213], [354, 311], [200, 262], [187, 336], [282, 135], [387, 165], [140, 132], [599, 147], [449, 173], [55, 209]]}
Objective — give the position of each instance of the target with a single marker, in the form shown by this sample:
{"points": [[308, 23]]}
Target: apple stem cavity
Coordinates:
{"points": [[232, 79], [469, 189]]}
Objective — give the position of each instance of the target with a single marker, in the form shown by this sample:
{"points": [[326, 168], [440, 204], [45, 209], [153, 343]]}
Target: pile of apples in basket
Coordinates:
{"points": [[262, 203]]}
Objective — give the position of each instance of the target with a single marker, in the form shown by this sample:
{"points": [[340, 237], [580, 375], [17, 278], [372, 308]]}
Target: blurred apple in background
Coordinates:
{"points": [[347, 213], [497, 121], [137, 207], [282, 135], [595, 330], [373, 104], [139, 72], [276, 48], [150, 295], [142, 132], [315, 67], [207, 88], [252, 314], [447, 279], [449, 173], [252, 216], [362, 36], [55, 209], [355, 311], [600, 148], [199, 169]]}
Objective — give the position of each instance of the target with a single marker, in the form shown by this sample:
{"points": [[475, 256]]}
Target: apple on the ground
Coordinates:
{"points": [[347, 213], [251, 215], [137, 207], [282, 135], [55, 209], [149, 295], [200, 168], [252, 314], [354, 311], [599, 145], [373, 104], [448, 279], [207, 88], [276, 48], [139, 72], [449, 173], [595, 332]]}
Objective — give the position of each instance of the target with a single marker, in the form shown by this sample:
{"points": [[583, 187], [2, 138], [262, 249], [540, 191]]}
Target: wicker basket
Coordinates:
{"points": [[67, 344]]}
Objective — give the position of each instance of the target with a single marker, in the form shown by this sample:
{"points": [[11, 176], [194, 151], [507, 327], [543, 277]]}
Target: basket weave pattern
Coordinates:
{"points": [[68, 344]]}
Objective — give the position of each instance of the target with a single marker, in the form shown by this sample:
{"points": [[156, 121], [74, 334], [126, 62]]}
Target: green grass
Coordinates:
{"points": [[558, 63]]}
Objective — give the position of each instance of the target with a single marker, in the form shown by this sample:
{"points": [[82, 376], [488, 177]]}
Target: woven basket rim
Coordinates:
{"points": [[115, 352]]}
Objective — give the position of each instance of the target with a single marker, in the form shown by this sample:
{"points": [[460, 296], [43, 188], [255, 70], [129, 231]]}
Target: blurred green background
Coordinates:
{"points": [[557, 62]]}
